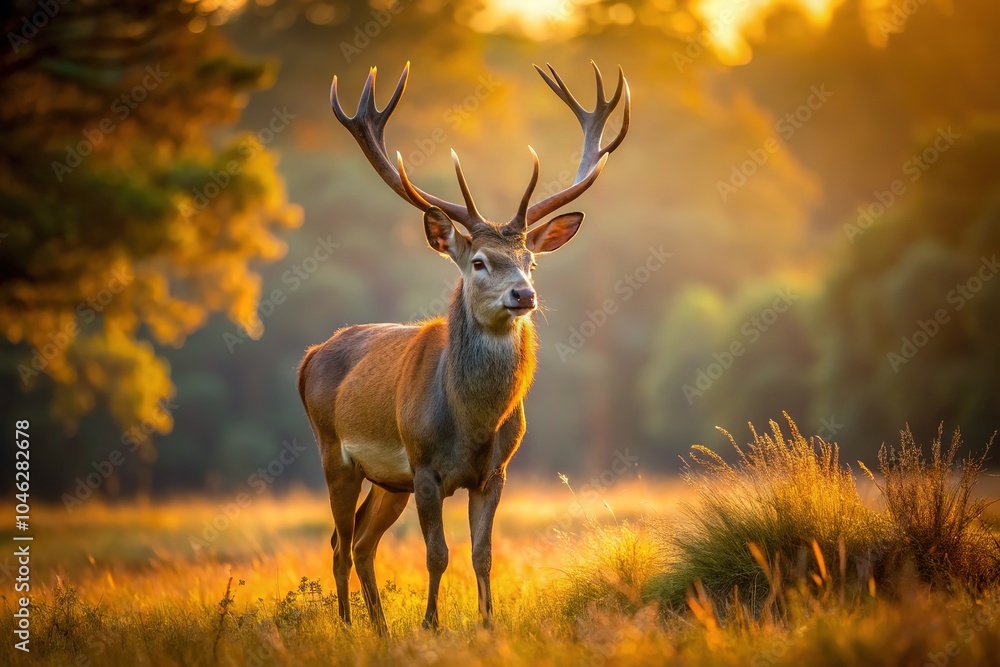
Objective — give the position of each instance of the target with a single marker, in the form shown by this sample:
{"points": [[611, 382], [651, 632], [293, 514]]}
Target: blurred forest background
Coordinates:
{"points": [[181, 216]]}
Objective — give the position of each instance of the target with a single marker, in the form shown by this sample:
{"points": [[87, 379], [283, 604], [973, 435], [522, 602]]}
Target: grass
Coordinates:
{"points": [[786, 506], [934, 514], [788, 515], [776, 558]]}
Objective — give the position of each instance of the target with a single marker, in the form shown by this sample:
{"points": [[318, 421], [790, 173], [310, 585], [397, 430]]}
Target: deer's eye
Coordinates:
{"points": [[478, 264]]}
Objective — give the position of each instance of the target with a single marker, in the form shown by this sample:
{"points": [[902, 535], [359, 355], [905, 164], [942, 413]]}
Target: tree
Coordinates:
{"points": [[909, 314], [122, 224]]}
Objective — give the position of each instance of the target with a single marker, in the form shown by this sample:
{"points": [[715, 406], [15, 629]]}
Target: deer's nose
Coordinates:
{"points": [[524, 297]]}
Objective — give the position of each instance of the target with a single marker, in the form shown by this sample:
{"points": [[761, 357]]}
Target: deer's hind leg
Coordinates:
{"points": [[376, 515], [344, 482]]}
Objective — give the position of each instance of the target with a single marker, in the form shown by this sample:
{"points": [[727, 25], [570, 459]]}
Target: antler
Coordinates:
{"points": [[519, 221], [367, 126], [593, 157]]}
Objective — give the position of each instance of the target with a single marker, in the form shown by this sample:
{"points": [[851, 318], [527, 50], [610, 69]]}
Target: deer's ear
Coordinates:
{"points": [[554, 234], [442, 235]]}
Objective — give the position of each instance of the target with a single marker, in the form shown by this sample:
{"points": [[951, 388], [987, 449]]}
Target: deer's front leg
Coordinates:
{"points": [[430, 501], [482, 508]]}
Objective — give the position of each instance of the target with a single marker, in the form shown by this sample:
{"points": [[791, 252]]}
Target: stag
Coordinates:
{"points": [[433, 407]]}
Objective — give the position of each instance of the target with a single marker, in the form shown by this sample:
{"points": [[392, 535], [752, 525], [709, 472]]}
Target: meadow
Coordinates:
{"points": [[776, 554]]}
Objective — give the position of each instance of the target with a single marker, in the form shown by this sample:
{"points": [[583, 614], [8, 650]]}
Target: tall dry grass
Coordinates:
{"points": [[935, 517], [783, 508], [784, 521], [774, 560]]}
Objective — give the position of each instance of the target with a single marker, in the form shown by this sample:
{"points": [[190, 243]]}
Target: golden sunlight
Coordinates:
{"points": [[537, 19], [729, 21], [726, 23]]}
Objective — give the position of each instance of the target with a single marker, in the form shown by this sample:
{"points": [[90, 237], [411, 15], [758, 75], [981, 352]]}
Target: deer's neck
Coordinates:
{"points": [[487, 373]]}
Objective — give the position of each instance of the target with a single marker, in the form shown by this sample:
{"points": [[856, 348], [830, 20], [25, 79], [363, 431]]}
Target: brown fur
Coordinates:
{"points": [[440, 379]]}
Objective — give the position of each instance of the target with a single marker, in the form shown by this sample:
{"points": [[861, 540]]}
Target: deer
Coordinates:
{"points": [[428, 408]]}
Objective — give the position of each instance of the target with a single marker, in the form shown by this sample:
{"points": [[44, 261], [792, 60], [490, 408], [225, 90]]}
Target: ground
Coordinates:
{"points": [[160, 584]]}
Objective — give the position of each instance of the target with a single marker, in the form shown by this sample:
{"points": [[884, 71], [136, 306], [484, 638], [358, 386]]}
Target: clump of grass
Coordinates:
{"points": [[787, 506], [933, 512], [786, 515], [612, 567], [66, 620]]}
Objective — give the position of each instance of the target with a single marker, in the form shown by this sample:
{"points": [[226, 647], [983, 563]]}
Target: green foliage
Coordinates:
{"points": [[898, 326], [109, 239], [926, 265]]}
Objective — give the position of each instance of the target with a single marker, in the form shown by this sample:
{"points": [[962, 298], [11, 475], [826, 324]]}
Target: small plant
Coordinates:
{"points": [[307, 599], [67, 620], [224, 604], [931, 505]]}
